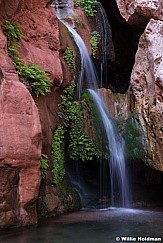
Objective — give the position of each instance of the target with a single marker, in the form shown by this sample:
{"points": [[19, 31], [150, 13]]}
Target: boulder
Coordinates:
{"points": [[139, 12]]}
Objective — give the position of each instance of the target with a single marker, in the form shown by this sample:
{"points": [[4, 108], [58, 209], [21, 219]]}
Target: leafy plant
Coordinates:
{"points": [[36, 77], [88, 6], [68, 56], [77, 3], [44, 165], [12, 31], [94, 41], [58, 154], [80, 145]]}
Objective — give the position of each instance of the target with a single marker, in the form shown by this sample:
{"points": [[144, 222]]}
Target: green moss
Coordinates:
{"points": [[69, 198], [32, 74], [136, 143]]}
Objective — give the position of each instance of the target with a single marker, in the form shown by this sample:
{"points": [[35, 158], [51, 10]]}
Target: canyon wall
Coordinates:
{"points": [[26, 122], [147, 74], [147, 86], [20, 147]]}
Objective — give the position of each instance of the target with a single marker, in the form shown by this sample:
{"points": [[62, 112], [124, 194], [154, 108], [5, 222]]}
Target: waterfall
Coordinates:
{"points": [[89, 80], [116, 147], [88, 77], [63, 8]]}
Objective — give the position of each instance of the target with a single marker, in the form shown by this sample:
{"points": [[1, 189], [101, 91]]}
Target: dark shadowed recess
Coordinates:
{"points": [[125, 40]]}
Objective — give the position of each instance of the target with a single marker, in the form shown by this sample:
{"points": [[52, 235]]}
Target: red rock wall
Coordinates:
{"points": [[20, 147], [26, 130], [20, 126]]}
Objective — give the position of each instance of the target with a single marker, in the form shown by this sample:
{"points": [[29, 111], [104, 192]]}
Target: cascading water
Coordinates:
{"points": [[89, 80], [115, 144], [88, 77]]}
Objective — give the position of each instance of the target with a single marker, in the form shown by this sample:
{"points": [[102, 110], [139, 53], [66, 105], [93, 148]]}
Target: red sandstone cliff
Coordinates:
{"points": [[23, 128], [26, 130]]}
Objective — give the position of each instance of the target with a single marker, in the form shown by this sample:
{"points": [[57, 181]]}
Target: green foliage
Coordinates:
{"points": [[88, 6], [12, 31], [68, 56], [44, 165], [58, 154], [77, 3], [80, 145], [94, 41], [36, 77]]}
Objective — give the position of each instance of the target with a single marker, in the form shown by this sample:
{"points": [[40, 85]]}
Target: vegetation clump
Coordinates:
{"points": [[88, 6], [44, 165], [36, 77], [68, 56], [80, 145], [94, 41], [58, 155]]}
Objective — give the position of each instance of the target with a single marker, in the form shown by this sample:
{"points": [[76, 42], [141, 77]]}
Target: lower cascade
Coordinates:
{"points": [[88, 81]]}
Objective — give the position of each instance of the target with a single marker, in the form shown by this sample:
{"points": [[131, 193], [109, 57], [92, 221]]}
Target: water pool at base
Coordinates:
{"points": [[92, 227]]}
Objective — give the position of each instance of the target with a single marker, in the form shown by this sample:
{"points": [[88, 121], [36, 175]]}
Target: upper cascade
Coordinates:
{"points": [[63, 8]]}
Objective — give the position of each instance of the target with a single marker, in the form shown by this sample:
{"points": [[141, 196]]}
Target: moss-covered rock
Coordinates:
{"points": [[137, 147]]}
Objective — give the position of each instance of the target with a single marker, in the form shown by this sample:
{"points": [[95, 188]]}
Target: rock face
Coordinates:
{"points": [[147, 86], [20, 127], [10, 8], [20, 147], [140, 11]]}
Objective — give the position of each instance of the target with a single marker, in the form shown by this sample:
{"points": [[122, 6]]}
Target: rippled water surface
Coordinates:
{"points": [[90, 227]]}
